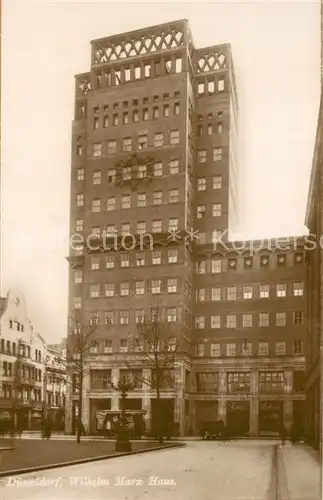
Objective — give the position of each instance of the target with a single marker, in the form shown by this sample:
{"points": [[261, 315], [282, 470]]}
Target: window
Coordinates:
{"points": [[112, 147], [271, 382], [142, 142], [200, 350], [201, 184], [263, 319], [172, 225], [141, 227], [216, 210], [232, 264], [126, 173], [155, 286], [220, 128], [126, 144], [139, 316], [96, 231], [281, 290], [201, 156], [281, 260], [232, 293], [166, 110], [140, 287], [80, 174], [231, 349], [217, 154], [109, 261], [158, 140], [280, 348], [247, 292], [209, 129], [96, 205], [96, 123], [172, 256], [174, 137], [220, 85], [111, 230], [172, 285], [215, 350], [231, 321], [200, 88], [173, 167], [201, 267], [79, 150], [79, 200], [215, 235], [79, 225], [96, 178], [298, 347], [216, 293], [95, 262], [156, 257], [145, 115], [124, 317], [263, 349], [97, 149], [158, 169], [109, 290], [126, 201], [155, 113], [215, 322], [79, 249], [107, 346], [111, 176], [173, 196], [124, 289], [298, 317], [200, 211], [280, 319], [125, 228], [78, 277], [238, 382], [171, 315], [200, 322], [140, 259], [105, 121], [125, 260], [142, 171], [247, 320], [264, 291], [94, 318], [94, 291], [141, 200], [115, 120], [176, 108], [111, 204], [298, 289], [216, 266], [157, 198], [201, 294]]}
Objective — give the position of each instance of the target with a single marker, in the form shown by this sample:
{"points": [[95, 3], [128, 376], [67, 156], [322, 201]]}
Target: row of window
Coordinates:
{"points": [[99, 148], [209, 87], [116, 119], [8, 347], [140, 288], [216, 154], [208, 130], [141, 201], [135, 102], [26, 372], [15, 325], [141, 173], [216, 266], [246, 349], [248, 292], [248, 320], [156, 227], [26, 396]]}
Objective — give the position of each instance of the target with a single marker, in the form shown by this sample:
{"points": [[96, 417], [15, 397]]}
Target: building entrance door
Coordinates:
{"points": [[270, 417], [238, 416]]}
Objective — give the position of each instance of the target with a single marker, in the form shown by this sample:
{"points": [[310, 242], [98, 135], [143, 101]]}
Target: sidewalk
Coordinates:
{"points": [[299, 472]]}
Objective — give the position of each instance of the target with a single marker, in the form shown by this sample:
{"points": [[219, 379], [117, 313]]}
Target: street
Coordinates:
{"points": [[236, 470]]}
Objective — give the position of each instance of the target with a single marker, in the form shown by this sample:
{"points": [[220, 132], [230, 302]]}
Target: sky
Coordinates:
{"points": [[276, 50]]}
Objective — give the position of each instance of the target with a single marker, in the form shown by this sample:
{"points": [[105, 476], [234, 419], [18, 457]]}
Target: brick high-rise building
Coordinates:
{"points": [[154, 160]]}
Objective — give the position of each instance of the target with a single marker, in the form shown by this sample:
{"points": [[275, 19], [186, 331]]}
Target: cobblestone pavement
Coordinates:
{"points": [[201, 470]]}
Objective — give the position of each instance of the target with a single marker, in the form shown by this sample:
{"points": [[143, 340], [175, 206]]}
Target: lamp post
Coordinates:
{"points": [[123, 433]]}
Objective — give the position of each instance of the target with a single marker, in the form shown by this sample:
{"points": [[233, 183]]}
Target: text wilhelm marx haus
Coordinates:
{"points": [[154, 152]]}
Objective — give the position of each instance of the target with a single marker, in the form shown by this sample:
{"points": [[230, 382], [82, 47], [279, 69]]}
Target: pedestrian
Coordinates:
{"points": [[108, 428]]}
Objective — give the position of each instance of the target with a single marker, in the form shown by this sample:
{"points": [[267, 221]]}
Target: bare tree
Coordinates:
{"points": [[157, 342], [79, 346]]}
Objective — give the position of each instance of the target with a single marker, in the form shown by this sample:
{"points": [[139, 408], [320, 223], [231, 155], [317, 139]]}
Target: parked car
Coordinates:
{"points": [[212, 429]]}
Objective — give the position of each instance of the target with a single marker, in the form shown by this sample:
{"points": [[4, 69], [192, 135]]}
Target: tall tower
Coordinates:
{"points": [[153, 161]]}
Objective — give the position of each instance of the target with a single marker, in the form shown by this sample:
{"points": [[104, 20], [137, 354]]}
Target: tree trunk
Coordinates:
{"points": [[80, 405], [159, 415]]}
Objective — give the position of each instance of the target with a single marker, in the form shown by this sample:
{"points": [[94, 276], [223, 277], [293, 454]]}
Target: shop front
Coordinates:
{"points": [[238, 418], [270, 417], [206, 411]]}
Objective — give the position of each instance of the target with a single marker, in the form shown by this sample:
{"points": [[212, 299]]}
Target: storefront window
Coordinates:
{"points": [[207, 382], [239, 382], [271, 382]]}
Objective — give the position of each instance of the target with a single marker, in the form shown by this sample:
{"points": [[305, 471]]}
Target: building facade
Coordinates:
{"points": [[153, 190], [55, 385], [314, 293]]}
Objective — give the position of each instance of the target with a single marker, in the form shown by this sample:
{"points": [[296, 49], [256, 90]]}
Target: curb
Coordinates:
{"points": [[15, 472]]}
